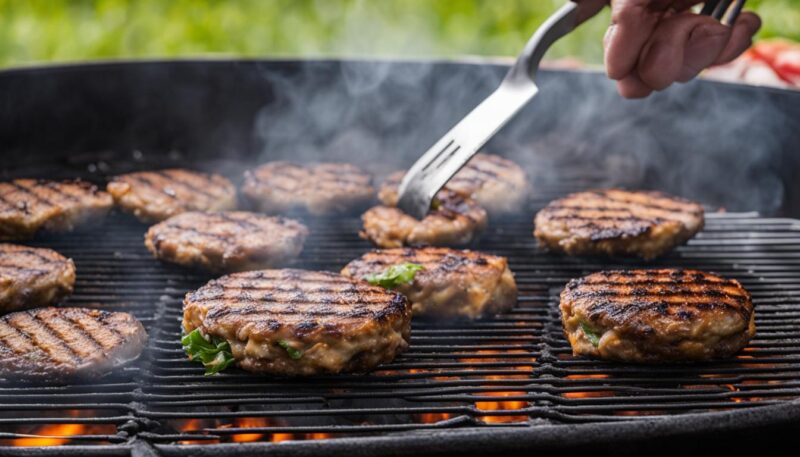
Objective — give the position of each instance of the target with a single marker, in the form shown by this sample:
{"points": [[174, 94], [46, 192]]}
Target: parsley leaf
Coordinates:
{"points": [[294, 354], [214, 353], [591, 335], [395, 275]]}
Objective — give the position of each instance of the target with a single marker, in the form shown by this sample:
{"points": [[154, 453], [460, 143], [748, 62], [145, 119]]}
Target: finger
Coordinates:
{"points": [[747, 24], [705, 44], [632, 22], [663, 56], [633, 87]]}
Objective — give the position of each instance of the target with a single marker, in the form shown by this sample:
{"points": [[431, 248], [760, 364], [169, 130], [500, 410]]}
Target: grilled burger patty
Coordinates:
{"points": [[455, 220], [618, 222], [335, 324], [653, 316], [55, 344], [497, 184], [31, 277], [320, 189], [27, 205], [452, 283], [226, 241], [157, 195]]}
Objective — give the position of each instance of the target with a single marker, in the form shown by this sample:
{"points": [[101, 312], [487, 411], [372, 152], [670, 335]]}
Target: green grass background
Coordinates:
{"points": [[35, 31]]}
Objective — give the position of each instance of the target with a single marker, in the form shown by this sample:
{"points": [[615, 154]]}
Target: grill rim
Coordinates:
{"points": [[449, 440], [477, 61]]}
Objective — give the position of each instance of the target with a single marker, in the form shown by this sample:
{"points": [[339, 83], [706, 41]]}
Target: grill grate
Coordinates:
{"points": [[512, 372]]}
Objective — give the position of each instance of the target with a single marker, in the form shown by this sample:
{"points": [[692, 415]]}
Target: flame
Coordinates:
{"points": [[48, 432], [194, 426], [588, 376], [197, 426], [588, 394], [432, 418], [249, 422], [504, 405], [278, 437], [318, 436]]}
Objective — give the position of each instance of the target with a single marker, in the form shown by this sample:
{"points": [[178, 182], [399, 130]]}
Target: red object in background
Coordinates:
{"points": [[767, 63]]}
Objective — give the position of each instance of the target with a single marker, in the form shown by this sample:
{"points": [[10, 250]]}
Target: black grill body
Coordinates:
{"points": [[504, 384]]}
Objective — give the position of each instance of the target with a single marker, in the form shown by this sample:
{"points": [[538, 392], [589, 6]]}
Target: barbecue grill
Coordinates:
{"points": [[503, 384]]}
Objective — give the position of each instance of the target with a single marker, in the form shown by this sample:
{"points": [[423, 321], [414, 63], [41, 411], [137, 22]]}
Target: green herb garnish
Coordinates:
{"points": [[436, 204], [215, 353], [294, 354], [395, 275], [591, 335]]}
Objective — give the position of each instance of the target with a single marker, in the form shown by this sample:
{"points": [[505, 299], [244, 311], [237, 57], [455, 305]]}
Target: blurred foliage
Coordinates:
{"points": [[62, 30]]}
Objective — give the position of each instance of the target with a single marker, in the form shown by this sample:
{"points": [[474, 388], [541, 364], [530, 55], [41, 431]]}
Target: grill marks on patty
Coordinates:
{"points": [[675, 293], [294, 295], [31, 277], [64, 343], [452, 284], [158, 195], [658, 315], [27, 205], [338, 323], [618, 222], [320, 189], [226, 241], [455, 220]]}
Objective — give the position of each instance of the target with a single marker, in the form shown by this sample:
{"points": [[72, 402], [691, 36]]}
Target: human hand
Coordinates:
{"points": [[651, 44]]}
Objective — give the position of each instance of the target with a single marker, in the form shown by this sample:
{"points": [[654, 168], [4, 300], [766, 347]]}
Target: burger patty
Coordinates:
{"points": [[157, 195], [27, 205], [31, 277], [295, 322], [618, 222], [226, 241], [453, 220], [319, 189], [497, 184], [57, 344], [452, 284], [654, 316]]}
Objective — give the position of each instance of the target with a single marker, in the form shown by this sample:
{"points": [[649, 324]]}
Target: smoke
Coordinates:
{"points": [[722, 145]]}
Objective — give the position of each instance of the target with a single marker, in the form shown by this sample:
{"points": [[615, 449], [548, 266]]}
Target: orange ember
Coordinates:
{"points": [[197, 426], [588, 394], [318, 436], [588, 376], [194, 426], [505, 405], [432, 418], [249, 422], [48, 433]]}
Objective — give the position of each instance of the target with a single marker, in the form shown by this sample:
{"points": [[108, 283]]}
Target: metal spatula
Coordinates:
{"points": [[453, 150]]}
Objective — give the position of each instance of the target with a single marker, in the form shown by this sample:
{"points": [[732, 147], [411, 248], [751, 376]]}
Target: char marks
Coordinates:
{"points": [[31, 277], [59, 343], [226, 241], [158, 195], [318, 188], [620, 294], [27, 205], [335, 324], [617, 222], [280, 294]]}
